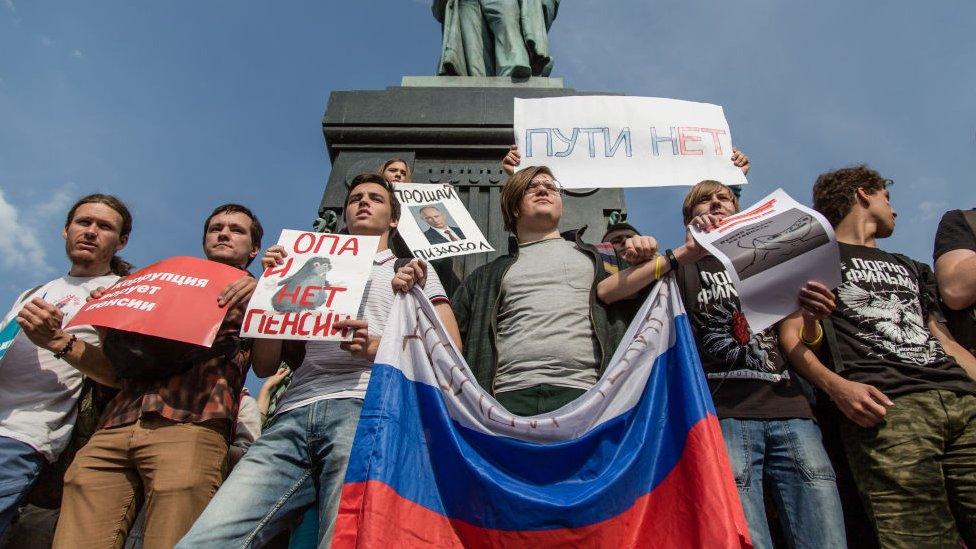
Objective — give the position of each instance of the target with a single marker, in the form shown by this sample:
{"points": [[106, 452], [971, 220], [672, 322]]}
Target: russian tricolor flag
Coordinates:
{"points": [[637, 461]]}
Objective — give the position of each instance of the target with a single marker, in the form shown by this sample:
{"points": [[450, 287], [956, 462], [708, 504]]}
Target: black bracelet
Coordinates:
{"points": [[673, 261], [67, 347]]}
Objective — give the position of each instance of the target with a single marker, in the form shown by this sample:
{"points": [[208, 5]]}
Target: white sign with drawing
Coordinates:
{"points": [[321, 281], [434, 223], [613, 141], [770, 251]]}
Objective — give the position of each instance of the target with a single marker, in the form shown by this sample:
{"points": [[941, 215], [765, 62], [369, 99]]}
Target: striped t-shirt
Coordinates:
{"points": [[330, 372]]}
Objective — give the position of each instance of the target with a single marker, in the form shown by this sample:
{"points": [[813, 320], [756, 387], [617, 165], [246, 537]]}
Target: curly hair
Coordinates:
{"points": [[834, 192]]}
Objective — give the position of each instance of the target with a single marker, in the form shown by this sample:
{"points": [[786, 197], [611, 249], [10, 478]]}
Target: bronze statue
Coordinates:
{"points": [[495, 37]]}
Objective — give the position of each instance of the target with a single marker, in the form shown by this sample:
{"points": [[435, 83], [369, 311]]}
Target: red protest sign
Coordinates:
{"points": [[174, 298]]}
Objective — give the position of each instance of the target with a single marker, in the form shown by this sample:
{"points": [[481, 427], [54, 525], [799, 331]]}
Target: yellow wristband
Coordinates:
{"points": [[816, 339], [658, 267]]}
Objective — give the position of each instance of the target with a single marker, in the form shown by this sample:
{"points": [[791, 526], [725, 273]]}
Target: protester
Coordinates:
{"points": [[766, 420], [534, 333], [955, 268], [167, 439], [395, 170], [908, 404], [617, 234], [247, 428], [43, 370], [271, 391], [302, 455]]}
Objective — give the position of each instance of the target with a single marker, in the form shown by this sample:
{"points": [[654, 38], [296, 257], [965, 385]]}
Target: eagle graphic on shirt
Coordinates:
{"points": [[897, 327]]}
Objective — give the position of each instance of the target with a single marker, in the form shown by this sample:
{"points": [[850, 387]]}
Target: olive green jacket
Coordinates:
{"points": [[476, 304]]}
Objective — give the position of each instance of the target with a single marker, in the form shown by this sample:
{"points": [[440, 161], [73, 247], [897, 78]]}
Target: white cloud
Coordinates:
{"points": [[20, 247], [929, 209], [10, 5], [46, 41], [77, 54], [57, 205]]}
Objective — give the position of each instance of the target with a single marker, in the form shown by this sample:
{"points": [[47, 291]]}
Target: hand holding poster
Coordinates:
{"points": [[434, 222], [321, 282], [174, 298], [770, 251], [612, 141]]}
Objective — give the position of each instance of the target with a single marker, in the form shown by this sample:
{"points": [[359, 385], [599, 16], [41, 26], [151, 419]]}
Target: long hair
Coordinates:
{"points": [[386, 165], [118, 265]]}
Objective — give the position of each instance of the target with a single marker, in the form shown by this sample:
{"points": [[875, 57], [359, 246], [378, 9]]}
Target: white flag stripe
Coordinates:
{"points": [[416, 343]]}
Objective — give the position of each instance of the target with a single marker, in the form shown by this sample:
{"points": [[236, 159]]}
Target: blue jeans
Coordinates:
{"points": [[301, 457], [790, 454], [19, 466]]}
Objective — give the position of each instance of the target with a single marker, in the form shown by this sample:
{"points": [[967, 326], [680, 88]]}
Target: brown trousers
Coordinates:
{"points": [[175, 468]]}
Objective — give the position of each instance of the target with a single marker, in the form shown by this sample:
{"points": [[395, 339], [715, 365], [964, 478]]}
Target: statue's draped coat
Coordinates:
{"points": [[495, 37]]}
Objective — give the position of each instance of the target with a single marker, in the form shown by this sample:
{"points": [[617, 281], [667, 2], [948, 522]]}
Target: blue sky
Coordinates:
{"points": [[178, 106]]}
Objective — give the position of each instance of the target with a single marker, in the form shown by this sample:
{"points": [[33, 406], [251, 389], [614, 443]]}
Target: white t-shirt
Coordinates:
{"points": [[38, 392], [330, 372]]}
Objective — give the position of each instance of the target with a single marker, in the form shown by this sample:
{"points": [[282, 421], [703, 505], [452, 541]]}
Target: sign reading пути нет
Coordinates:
{"points": [[321, 282], [612, 141]]}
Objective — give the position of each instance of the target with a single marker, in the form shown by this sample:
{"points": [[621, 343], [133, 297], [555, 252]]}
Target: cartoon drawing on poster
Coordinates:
{"points": [[435, 223], [322, 281], [755, 249], [614, 141], [770, 251]]}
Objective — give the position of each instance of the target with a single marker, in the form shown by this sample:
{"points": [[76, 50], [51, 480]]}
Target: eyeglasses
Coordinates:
{"points": [[537, 187]]}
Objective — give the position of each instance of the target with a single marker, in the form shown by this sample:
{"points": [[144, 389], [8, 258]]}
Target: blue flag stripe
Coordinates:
{"points": [[407, 440]]}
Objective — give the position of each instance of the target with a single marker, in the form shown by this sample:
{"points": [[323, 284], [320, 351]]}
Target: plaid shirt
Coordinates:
{"points": [[210, 390]]}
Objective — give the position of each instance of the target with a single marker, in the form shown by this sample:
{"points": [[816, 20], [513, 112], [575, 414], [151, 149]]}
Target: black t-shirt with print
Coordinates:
{"points": [[882, 336], [954, 233], [746, 372]]}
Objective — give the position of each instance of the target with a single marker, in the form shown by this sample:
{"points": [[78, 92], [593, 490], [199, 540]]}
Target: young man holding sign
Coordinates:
{"points": [[42, 372], [534, 332], [904, 386], [167, 438], [766, 420], [301, 457]]}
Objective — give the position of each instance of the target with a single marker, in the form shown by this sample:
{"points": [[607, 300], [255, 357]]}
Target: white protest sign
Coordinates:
{"points": [[321, 282], [770, 251], [612, 141], [434, 222]]}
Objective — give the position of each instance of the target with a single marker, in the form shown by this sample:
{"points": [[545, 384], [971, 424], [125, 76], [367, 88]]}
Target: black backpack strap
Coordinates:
{"points": [[830, 350], [689, 280]]}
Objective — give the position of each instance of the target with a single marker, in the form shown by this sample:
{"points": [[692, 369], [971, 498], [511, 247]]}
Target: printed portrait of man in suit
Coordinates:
{"points": [[439, 230]]}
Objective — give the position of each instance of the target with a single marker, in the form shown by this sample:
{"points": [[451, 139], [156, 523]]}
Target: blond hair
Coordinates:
{"points": [[701, 190]]}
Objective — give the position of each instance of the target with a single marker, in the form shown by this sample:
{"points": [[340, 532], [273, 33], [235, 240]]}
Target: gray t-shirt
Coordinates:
{"points": [[545, 335]]}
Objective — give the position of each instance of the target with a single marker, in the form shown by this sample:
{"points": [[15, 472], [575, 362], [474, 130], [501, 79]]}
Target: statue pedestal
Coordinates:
{"points": [[479, 82], [450, 130]]}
